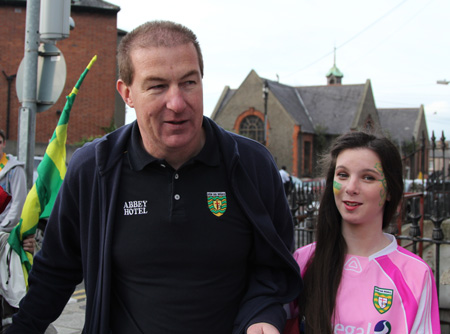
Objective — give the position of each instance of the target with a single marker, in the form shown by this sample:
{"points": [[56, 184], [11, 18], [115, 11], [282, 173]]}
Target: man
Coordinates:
{"points": [[14, 192], [175, 225]]}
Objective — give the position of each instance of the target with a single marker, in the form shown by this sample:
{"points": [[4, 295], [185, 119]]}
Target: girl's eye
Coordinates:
{"points": [[341, 175], [369, 178]]}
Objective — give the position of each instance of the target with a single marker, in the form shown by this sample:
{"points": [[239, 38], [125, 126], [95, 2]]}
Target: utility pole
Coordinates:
{"points": [[46, 21], [27, 113]]}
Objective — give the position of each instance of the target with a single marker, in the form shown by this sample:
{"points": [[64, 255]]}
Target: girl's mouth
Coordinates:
{"points": [[351, 205]]}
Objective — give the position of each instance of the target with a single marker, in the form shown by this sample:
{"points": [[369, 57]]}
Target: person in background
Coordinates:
{"points": [[12, 180], [174, 224], [286, 178], [13, 187], [356, 277]]}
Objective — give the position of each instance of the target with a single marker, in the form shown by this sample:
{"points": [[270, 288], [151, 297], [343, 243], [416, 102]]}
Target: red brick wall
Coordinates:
{"points": [[12, 32], [94, 34]]}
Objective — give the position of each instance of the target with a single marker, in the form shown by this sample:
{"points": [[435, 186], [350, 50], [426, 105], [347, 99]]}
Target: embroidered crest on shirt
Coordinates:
{"points": [[217, 203], [353, 265], [133, 208], [382, 299]]}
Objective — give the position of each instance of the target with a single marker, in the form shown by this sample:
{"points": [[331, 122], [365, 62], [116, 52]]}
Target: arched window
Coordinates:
{"points": [[252, 127]]}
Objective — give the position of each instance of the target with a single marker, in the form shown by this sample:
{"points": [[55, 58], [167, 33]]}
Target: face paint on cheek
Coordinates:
{"points": [[336, 187], [383, 191]]}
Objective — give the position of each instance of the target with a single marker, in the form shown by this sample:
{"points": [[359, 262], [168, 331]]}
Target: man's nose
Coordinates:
{"points": [[175, 99]]}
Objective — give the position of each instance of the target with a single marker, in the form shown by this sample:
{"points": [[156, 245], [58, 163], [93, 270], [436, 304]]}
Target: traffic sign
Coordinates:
{"points": [[51, 77]]}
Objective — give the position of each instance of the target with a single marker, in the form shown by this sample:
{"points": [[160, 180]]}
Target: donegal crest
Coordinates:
{"points": [[382, 299], [217, 203]]}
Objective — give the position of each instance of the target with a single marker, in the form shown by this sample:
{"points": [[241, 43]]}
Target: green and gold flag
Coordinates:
{"points": [[51, 171]]}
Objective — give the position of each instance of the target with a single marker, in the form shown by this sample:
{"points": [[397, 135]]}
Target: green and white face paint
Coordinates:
{"points": [[336, 187], [383, 191]]}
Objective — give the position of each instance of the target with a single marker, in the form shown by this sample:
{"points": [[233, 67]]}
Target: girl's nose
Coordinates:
{"points": [[352, 187]]}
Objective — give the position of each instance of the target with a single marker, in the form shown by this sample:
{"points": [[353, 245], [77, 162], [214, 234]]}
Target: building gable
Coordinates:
{"points": [[234, 102], [402, 124]]}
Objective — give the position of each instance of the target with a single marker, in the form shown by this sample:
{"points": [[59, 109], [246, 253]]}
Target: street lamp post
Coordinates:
{"points": [[443, 82], [443, 171], [265, 90]]}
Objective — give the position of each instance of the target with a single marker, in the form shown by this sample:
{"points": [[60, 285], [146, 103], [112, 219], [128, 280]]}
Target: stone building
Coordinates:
{"points": [[407, 128], [302, 121]]}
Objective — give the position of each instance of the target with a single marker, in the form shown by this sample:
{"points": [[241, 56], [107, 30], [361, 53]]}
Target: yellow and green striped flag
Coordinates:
{"points": [[51, 171]]}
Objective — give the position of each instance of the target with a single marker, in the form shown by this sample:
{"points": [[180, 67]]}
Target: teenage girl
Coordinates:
{"points": [[356, 278]]}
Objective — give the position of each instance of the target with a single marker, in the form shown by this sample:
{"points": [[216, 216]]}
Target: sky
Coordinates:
{"points": [[401, 46]]}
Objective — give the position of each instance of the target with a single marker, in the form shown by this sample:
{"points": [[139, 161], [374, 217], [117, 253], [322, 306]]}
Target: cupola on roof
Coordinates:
{"points": [[334, 75]]}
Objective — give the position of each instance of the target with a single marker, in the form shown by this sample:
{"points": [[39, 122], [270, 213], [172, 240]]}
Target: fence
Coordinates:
{"points": [[435, 185]]}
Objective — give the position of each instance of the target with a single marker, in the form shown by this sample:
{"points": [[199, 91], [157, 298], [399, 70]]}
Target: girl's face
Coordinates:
{"points": [[359, 186]]}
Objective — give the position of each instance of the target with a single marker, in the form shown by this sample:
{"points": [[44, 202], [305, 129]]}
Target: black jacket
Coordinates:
{"points": [[78, 236]]}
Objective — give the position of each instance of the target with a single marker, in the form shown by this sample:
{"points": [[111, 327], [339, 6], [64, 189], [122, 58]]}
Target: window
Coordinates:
{"points": [[307, 158], [252, 127]]}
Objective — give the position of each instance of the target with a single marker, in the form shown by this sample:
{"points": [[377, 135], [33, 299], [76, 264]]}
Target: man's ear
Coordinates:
{"points": [[125, 92]]}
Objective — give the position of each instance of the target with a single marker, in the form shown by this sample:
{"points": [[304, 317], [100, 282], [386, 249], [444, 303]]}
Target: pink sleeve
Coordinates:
{"points": [[417, 288], [302, 256], [427, 317]]}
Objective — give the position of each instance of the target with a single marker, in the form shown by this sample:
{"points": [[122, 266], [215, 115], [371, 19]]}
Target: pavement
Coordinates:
{"points": [[71, 320]]}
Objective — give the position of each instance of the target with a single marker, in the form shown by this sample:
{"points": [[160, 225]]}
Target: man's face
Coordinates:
{"points": [[2, 145], [167, 94]]}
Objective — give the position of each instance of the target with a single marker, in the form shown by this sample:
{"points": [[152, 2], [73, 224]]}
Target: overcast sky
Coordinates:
{"points": [[402, 46]]}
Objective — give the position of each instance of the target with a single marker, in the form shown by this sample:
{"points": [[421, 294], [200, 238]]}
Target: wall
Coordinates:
{"points": [[281, 133], [95, 33]]}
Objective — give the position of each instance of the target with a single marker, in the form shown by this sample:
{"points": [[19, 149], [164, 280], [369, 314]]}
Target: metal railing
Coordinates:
{"points": [[434, 195], [410, 219], [435, 185]]}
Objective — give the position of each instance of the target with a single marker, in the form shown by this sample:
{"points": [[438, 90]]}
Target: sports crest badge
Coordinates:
{"points": [[382, 299], [217, 203]]}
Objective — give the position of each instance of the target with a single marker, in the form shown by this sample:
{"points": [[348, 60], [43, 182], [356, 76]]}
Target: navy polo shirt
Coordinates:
{"points": [[181, 245]]}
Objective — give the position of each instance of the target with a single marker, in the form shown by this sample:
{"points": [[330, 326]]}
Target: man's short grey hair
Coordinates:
{"points": [[153, 34]]}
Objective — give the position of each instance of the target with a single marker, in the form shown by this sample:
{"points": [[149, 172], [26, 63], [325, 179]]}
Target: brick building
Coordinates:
{"points": [[97, 104]]}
